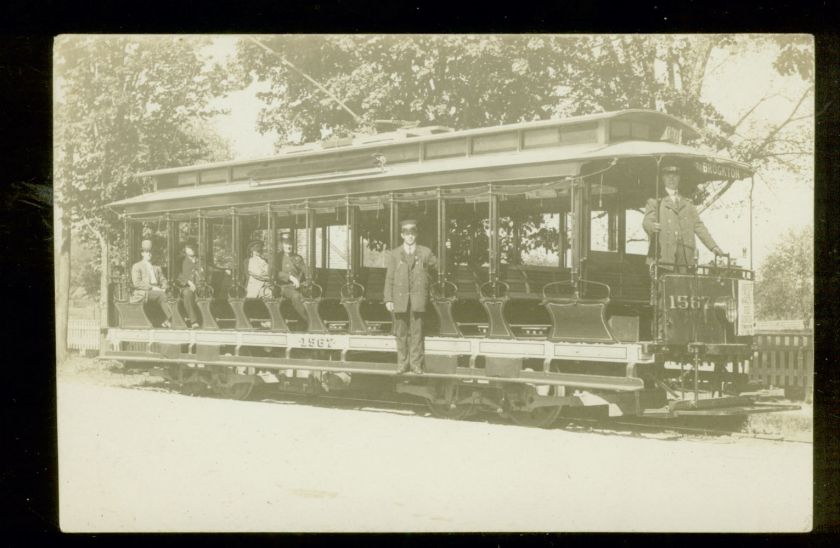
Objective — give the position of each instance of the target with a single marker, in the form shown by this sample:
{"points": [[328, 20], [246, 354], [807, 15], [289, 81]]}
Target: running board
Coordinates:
{"points": [[601, 382]]}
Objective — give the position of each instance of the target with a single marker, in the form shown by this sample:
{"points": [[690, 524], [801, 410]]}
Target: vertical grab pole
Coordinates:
{"points": [[310, 246], [236, 251], [203, 245], [350, 219], [129, 248], [576, 214], [171, 246], [752, 185], [393, 232], [441, 236], [655, 281], [272, 241], [493, 240]]}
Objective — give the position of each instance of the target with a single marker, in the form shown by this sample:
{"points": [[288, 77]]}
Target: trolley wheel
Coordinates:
{"points": [[227, 385], [190, 382], [449, 408], [451, 411], [541, 417], [193, 387], [538, 417]]}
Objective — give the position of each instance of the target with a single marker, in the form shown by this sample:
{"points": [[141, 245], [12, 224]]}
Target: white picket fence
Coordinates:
{"points": [[82, 334]]}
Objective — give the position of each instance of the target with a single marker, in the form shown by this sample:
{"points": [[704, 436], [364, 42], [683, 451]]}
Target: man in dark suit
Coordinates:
{"points": [[290, 272], [406, 292], [187, 279], [148, 282], [676, 220]]}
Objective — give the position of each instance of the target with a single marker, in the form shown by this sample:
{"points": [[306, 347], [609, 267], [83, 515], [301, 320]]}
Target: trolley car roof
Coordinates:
{"points": [[411, 162]]}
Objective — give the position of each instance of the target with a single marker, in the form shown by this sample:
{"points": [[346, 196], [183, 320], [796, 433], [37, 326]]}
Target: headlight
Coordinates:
{"points": [[727, 307]]}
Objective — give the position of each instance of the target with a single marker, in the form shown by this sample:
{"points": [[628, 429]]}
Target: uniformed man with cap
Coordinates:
{"points": [[406, 292], [676, 220], [290, 272], [148, 282]]}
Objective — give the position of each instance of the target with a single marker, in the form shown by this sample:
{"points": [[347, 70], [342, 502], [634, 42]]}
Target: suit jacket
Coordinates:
{"points": [[678, 224], [407, 278], [189, 271], [141, 282], [293, 265]]}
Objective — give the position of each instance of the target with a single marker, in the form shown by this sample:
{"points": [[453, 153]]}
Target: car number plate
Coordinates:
{"points": [[314, 341]]}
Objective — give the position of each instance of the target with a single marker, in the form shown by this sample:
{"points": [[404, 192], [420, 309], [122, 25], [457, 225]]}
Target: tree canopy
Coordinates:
{"points": [[124, 104], [466, 81], [785, 288]]}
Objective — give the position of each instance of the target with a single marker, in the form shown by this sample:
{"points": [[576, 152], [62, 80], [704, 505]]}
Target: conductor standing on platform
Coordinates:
{"points": [[406, 292]]}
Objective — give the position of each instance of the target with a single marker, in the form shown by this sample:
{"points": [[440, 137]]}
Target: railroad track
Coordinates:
{"points": [[635, 427]]}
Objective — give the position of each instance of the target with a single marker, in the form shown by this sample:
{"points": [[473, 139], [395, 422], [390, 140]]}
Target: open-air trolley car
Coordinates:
{"points": [[544, 299]]}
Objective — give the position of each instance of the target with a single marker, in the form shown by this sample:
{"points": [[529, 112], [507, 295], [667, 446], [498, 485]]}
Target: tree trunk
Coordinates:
{"points": [[702, 53], [104, 295], [61, 244]]}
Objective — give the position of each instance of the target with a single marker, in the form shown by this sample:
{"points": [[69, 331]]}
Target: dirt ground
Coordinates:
{"points": [[134, 457]]}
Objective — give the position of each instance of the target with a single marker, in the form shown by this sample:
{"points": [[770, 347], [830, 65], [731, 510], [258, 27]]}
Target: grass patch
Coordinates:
{"points": [[796, 424]]}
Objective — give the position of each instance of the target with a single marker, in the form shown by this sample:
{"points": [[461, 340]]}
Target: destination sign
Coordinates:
{"points": [[718, 170]]}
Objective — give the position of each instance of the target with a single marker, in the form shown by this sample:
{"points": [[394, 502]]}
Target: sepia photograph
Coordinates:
{"points": [[434, 282]]}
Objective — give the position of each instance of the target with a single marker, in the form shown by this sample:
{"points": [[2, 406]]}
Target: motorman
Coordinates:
{"points": [[676, 221]]}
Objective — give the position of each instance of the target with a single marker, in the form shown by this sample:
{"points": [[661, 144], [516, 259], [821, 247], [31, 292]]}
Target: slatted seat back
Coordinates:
{"points": [[331, 280], [374, 281], [517, 282], [539, 277], [465, 279]]}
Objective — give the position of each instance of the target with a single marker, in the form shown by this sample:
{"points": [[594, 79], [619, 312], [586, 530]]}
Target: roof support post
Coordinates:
{"points": [[441, 236], [171, 245], [131, 244]]}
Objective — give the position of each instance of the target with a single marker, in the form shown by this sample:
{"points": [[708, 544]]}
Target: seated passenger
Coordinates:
{"points": [[291, 271], [677, 221], [257, 271], [187, 279], [148, 281]]}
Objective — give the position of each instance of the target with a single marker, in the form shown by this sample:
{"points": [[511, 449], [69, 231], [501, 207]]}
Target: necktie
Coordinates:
{"points": [[152, 278]]}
